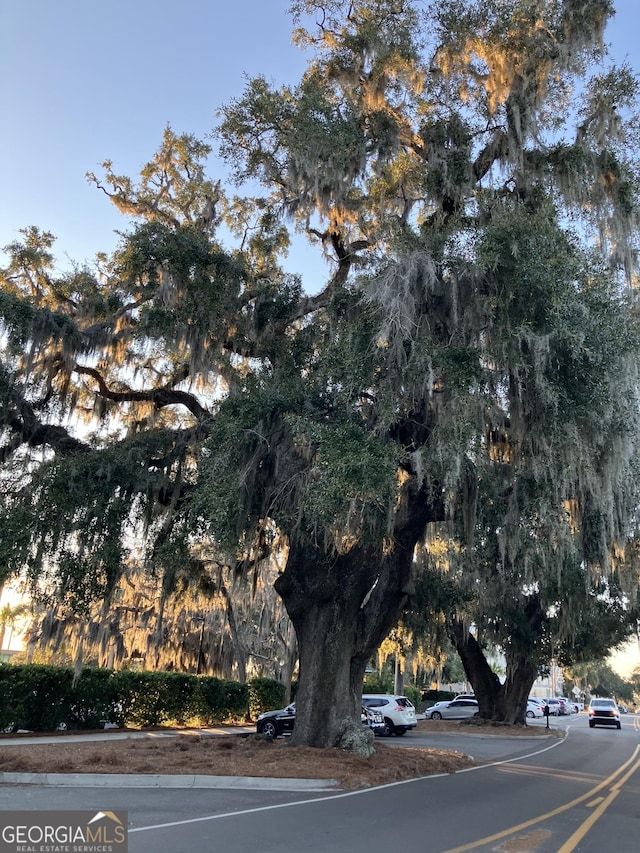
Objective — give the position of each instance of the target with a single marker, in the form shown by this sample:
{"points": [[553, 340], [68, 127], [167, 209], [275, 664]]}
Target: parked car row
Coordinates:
{"points": [[385, 714], [388, 714], [466, 705], [560, 706]]}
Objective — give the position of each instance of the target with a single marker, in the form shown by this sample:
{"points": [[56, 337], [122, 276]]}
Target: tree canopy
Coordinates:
{"points": [[470, 174]]}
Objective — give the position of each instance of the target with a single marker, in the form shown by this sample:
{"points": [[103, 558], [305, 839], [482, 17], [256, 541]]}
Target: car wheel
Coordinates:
{"points": [[269, 729], [436, 715], [619, 726], [388, 729], [530, 714], [591, 725]]}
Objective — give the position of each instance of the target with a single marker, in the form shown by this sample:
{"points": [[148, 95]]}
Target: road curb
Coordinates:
{"points": [[156, 780]]}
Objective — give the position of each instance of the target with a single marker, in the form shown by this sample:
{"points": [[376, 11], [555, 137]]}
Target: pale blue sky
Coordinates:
{"points": [[82, 81]]}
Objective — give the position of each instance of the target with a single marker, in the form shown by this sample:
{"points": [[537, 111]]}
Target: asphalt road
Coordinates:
{"points": [[548, 796]]}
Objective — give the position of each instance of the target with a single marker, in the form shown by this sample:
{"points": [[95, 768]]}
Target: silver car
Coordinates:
{"points": [[457, 709]]}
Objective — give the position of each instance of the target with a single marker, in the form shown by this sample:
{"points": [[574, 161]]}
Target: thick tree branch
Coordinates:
{"points": [[160, 397], [26, 428], [492, 151]]}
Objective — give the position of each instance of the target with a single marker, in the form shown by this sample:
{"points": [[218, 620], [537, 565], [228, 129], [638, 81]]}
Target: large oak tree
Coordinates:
{"points": [[469, 177]]}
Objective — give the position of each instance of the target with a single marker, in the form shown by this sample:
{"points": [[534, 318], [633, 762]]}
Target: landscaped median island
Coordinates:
{"points": [[167, 751]]}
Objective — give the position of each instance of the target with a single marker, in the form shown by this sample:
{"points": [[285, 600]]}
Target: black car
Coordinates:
{"points": [[275, 723], [603, 712]]}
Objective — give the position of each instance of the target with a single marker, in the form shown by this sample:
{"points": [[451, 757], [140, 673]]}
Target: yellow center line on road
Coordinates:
{"points": [[529, 770], [581, 799], [582, 830]]}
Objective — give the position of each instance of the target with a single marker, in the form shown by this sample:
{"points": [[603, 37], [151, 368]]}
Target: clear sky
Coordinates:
{"points": [[82, 81], [627, 660]]}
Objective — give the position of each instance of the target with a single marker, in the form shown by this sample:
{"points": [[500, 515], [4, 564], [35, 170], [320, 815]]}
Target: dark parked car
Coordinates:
{"points": [[603, 712], [275, 723]]}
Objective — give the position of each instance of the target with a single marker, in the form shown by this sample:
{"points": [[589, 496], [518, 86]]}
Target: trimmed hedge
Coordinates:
{"points": [[433, 696], [39, 697], [265, 694], [222, 700]]}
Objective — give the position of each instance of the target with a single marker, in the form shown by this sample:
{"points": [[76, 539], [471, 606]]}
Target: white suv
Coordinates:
{"points": [[398, 712]]}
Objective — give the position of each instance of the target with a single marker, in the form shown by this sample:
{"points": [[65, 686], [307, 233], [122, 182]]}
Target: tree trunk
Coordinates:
{"points": [[503, 703], [240, 651], [342, 606], [521, 674], [290, 658], [486, 684]]}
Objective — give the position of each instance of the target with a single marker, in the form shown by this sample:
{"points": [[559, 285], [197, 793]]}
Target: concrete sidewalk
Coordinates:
{"points": [[116, 734]]}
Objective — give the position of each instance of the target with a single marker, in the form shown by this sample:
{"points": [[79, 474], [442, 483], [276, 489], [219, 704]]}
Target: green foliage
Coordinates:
{"points": [[378, 682], [430, 697], [265, 694], [609, 683], [351, 467], [154, 698], [452, 670], [42, 697], [414, 695], [31, 697], [223, 700]]}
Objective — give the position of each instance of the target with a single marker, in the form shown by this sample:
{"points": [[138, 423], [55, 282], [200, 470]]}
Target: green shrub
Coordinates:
{"points": [[34, 697], [376, 682], [265, 694], [414, 694], [430, 697], [153, 698], [42, 697], [221, 700], [93, 700]]}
